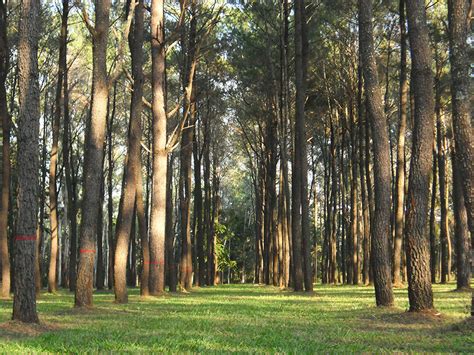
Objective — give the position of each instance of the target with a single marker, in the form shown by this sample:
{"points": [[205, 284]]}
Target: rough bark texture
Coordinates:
{"points": [[93, 155], [381, 148], [400, 178], [463, 120], [24, 302], [461, 231], [132, 166], [420, 292], [6, 165], [158, 199]]}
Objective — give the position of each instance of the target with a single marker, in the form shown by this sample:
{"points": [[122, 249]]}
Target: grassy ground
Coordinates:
{"points": [[243, 318]]}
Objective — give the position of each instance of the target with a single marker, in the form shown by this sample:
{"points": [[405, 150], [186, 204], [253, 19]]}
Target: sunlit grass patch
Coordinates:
{"points": [[244, 318]]}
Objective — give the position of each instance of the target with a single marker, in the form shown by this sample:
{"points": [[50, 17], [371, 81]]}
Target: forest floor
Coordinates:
{"points": [[243, 318]]}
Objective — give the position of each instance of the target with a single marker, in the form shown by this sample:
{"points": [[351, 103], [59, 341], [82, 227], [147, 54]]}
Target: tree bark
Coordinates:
{"points": [[132, 167], [6, 164], [461, 231], [381, 148], [400, 177], [158, 199], [53, 164], [94, 152], [420, 292], [24, 301]]}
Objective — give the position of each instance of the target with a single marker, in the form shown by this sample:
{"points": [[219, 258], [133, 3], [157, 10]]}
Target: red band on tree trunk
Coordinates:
{"points": [[161, 262], [82, 251], [25, 237]]}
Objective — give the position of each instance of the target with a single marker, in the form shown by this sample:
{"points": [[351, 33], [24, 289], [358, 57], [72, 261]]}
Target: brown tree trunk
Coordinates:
{"points": [[420, 292], [110, 198], [94, 152], [24, 301], [299, 152], [432, 230], [70, 180], [53, 164], [200, 279], [142, 229], [132, 166], [400, 177], [463, 121], [158, 199], [381, 148], [170, 237], [6, 165], [461, 231]]}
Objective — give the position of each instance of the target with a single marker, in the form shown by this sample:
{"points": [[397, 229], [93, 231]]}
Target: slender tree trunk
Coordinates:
{"points": [[463, 121], [70, 180], [24, 301], [354, 202], [93, 157], [382, 172], [53, 194], [132, 167], [433, 247], [6, 165], [420, 292], [110, 186], [198, 215], [461, 231], [170, 237], [142, 229], [400, 177], [158, 199], [299, 152]]}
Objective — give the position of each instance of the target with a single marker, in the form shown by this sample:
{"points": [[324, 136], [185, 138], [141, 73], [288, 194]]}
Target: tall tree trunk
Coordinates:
{"points": [[198, 227], [70, 180], [132, 166], [53, 163], [110, 186], [381, 148], [94, 152], [432, 230], [461, 231], [463, 121], [158, 199], [354, 202], [300, 202], [143, 230], [170, 237], [420, 292], [6, 165], [185, 182], [24, 301], [400, 177]]}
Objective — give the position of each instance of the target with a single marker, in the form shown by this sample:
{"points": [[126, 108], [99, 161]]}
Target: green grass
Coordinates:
{"points": [[243, 318]]}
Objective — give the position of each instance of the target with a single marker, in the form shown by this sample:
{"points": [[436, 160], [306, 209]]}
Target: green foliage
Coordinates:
{"points": [[223, 237], [245, 319]]}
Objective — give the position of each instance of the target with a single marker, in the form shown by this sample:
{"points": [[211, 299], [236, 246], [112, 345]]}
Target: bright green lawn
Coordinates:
{"points": [[243, 318]]}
